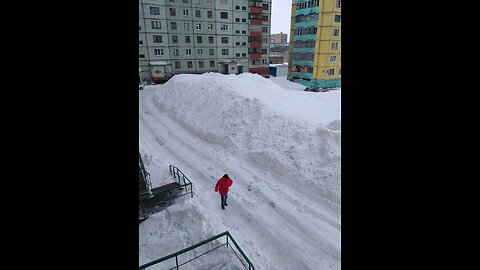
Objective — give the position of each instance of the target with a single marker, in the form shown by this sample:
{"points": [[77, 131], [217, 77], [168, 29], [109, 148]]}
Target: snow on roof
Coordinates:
{"points": [[279, 65], [158, 63]]}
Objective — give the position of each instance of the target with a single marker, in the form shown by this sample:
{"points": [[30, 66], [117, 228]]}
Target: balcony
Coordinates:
{"points": [[255, 33], [255, 56], [255, 21], [255, 45], [256, 10]]}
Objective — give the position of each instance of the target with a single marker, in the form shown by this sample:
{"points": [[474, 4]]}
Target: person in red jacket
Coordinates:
{"points": [[222, 186]]}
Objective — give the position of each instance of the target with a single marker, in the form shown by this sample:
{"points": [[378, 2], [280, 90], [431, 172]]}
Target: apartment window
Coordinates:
{"points": [[264, 51], [173, 25], [338, 18], [210, 39], [157, 38], [244, 20], [185, 1], [177, 64], [244, 43], [200, 64], [211, 51], [187, 39], [140, 42], [237, 7], [331, 71], [199, 39], [156, 25], [264, 61], [265, 6], [172, 0], [212, 63], [334, 45], [224, 27], [244, 8], [237, 43], [186, 25], [265, 18], [237, 31], [139, 28], [209, 2], [244, 32], [158, 51], [197, 13], [237, 54], [237, 19], [141, 56], [333, 59], [200, 51], [224, 15], [264, 40], [189, 64], [224, 51], [339, 3], [154, 11], [224, 39], [188, 51], [185, 12], [174, 39], [209, 14], [264, 29], [336, 32], [175, 52], [197, 1], [198, 26], [172, 12], [224, 2], [244, 54]]}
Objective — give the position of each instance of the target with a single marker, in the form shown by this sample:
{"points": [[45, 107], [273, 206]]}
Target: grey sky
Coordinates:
{"points": [[281, 12]]}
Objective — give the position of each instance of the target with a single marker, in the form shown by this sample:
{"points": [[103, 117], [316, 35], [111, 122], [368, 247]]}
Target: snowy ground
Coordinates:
{"points": [[279, 144]]}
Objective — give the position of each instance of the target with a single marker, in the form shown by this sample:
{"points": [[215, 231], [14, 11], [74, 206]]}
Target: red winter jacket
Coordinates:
{"points": [[223, 185]]}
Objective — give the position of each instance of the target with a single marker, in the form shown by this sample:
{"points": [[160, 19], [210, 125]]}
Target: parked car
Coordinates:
{"points": [[312, 89]]}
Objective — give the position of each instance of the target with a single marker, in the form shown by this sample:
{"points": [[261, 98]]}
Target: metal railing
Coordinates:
{"points": [[245, 262], [145, 174], [177, 174]]}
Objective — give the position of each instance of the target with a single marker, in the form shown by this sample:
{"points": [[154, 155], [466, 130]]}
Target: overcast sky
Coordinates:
{"points": [[281, 12]]}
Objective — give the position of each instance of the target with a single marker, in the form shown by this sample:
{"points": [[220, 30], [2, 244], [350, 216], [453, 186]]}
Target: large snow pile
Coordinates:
{"points": [[280, 145]]}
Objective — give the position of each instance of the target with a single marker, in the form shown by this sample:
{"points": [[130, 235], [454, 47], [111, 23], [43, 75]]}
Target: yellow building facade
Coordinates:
{"points": [[315, 43]]}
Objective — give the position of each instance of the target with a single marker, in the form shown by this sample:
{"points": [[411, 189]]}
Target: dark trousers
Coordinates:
{"points": [[224, 199]]}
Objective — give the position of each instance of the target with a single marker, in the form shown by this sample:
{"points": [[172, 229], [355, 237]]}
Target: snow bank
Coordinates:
{"points": [[293, 133]]}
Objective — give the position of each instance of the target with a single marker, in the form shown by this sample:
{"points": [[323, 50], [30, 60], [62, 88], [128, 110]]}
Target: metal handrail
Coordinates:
{"points": [[176, 254], [179, 175], [145, 174]]}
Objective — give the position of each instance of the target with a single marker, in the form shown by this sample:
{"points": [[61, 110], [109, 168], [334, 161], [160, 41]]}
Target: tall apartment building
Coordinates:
{"points": [[315, 43], [280, 38], [197, 36]]}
